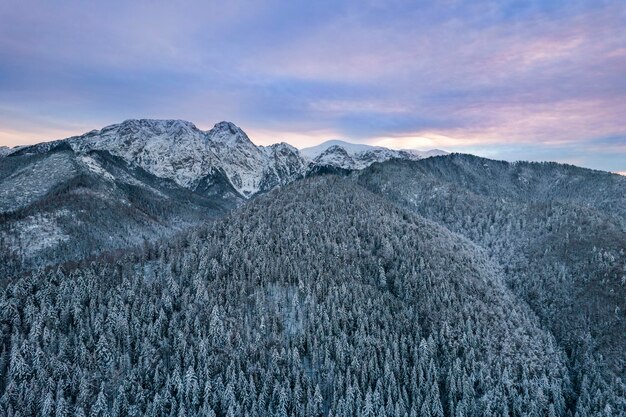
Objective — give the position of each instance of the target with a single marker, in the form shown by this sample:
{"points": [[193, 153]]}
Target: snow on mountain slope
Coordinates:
{"points": [[196, 159], [428, 154], [346, 155], [178, 150], [22, 185], [62, 204], [243, 162], [285, 165], [172, 149], [352, 148], [335, 156]]}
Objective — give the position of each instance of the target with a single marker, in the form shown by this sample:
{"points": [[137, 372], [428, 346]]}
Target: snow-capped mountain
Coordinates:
{"points": [[351, 156], [198, 160], [172, 149], [250, 168], [352, 148], [285, 165], [178, 150]]}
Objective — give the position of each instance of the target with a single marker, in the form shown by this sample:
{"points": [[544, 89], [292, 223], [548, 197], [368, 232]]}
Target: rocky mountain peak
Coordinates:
{"points": [[178, 150], [228, 133], [148, 128]]}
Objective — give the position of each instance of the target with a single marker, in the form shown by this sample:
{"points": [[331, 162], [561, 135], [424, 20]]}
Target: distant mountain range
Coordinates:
{"points": [[178, 150], [350, 156]]}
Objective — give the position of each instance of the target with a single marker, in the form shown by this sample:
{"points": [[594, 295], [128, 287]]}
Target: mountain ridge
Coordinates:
{"points": [[355, 156], [352, 147], [178, 150]]}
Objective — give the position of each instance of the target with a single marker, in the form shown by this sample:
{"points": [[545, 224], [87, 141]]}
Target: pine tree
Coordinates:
{"points": [[100, 407]]}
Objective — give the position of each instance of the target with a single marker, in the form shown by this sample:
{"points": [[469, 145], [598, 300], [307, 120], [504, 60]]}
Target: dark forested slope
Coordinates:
{"points": [[557, 231], [317, 299], [62, 205]]}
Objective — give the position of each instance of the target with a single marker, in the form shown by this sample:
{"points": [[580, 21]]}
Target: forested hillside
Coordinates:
{"points": [[62, 205], [557, 231], [317, 299]]}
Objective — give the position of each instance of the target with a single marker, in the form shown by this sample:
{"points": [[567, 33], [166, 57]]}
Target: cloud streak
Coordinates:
{"points": [[541, 79]]}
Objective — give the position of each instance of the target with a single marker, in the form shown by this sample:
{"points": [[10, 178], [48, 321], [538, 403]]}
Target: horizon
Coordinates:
{"points": [[300, 148], [204, 129], [538, 81]]}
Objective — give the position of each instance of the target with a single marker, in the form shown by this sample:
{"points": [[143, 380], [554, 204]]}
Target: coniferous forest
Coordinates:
{"points": [[410, 288], [317, 299]]}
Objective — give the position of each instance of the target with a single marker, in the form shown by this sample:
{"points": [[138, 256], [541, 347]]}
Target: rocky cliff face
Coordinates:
{"points": [[207, 160]]}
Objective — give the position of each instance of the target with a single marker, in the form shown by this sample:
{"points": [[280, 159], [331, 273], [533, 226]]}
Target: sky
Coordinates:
{"points": [[513, 80]]}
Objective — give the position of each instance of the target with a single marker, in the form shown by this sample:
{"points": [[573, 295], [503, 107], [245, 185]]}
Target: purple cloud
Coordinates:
{"points": [[487, 77]]}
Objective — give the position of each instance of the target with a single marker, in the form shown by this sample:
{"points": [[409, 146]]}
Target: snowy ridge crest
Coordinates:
{"points": [[356, 156], [180, 151]]}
